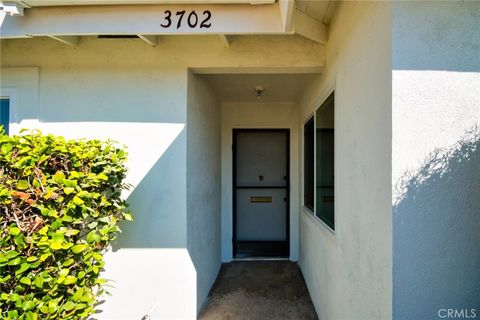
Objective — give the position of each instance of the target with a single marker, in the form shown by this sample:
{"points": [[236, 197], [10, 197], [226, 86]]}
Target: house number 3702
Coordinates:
{"points": [[191, 18]]}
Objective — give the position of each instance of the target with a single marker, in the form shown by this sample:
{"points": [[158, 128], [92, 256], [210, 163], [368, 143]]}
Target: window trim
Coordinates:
{"points": [[310, 118], [313, 115], [11, 95]]}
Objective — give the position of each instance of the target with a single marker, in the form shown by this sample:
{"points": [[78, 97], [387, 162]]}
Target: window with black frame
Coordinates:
{"points": [[324, 182], [319, 163], [308, 164]]}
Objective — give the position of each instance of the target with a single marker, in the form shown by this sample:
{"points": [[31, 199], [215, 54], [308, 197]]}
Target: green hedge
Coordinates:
{"points": [[60, 206]]}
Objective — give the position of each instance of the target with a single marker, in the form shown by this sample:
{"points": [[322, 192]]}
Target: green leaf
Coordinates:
{"points": [[25, 280], [127, 216], [68, 262], [97, 257], [11, 254], [56, 245], [58, 177], [31, 316], [57, 223], [38, 282], [69, 305], [52, 306], [48, 195], [23, 267], [23, 185], [6, 148], [71, 232], [64, 272], [15, 297], [75, 175], [44, 309], [20, 240], [69, 280], [15, 261], [68, 190], [28, 305], [70, 183], [81, 306], [77, 201], [78, 248], [58, 235], [67, 246], [14, 231], [102, 176], [45, 256]]}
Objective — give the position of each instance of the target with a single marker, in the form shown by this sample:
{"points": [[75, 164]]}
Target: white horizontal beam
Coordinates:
{"points": [[145, 20], [70, 40], [151, 40], [258, 70], [310, 28], [36, 3], [12, 8], [258, 2]]}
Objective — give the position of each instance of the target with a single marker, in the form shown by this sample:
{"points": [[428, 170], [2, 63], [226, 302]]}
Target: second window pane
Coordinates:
{"points": [[325, 162]]}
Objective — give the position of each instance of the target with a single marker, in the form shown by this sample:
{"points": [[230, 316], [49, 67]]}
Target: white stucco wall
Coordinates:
{"points": [[146, 110], [203, 184], [348, 273], [258, 115], [435, 161], [98, 102], [137, 95]]}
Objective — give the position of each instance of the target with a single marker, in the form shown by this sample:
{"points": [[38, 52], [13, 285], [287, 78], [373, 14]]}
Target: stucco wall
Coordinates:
{"points": [[144, 109], [257, 115], [348, 273], [98, 102], [137, 95], [203, 184], [436, 158]]}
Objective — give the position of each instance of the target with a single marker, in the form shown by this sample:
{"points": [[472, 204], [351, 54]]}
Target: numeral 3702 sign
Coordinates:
{"points": [[191, 19]]}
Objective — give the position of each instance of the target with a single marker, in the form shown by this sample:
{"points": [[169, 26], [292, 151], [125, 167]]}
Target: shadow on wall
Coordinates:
{"points": [[436, 236], [156, 170], [159, 216]]}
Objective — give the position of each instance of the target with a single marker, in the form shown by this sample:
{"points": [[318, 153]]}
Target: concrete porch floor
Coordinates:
{"points": [[259, 290]]}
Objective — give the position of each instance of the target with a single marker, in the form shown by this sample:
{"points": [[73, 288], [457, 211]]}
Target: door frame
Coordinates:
{"points": [[234, 183]]}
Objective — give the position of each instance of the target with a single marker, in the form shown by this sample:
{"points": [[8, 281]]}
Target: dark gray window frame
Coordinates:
{"points": [[308, 188]]}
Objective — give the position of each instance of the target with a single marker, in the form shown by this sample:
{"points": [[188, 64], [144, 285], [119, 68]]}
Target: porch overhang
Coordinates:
{"points": [[148, 19]]}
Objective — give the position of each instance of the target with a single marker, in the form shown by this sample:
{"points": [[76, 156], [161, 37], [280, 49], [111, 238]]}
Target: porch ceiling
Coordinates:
{"points": [[64, 19], [241, 87]]}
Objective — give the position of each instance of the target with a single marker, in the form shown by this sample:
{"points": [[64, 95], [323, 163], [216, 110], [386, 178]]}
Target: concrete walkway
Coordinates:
{"points": [[259, 290]]}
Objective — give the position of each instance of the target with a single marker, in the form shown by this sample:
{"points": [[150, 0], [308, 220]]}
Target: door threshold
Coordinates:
{"points": [[262, 259]]}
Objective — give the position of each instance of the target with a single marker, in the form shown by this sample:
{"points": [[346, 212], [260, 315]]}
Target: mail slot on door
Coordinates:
{"points": [[260, 199]]}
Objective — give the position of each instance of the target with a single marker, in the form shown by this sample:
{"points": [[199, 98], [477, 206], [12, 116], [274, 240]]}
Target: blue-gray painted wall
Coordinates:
{"points": [[436, 216]]}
